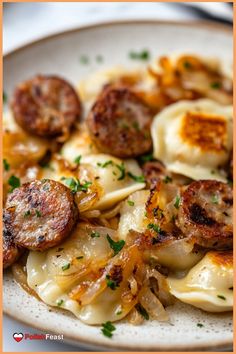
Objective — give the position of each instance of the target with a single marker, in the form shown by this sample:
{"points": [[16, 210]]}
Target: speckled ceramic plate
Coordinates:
{"points": [[60, 54]]}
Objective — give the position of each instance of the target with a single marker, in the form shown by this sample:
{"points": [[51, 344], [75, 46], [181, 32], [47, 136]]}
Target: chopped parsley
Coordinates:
{"points": [[130, 202], [136, 126], [139, 179], [38, 213], [200, 325], [215, 199], [27, 213], [105, 164], [154, 227], [84, 59], [146, 158], [95, 234], [118, 312], [167, 179], [65, 267], [112, 284], [77, 159], [60, 302], [215, 85], [6, 165], [121, 168], [107, 329], [187, 65], [221, 297], [115, 246], [142, 311], [177, 202], [4, 97], [14, 182], [75, 185], [80, 257], [143, 55]]}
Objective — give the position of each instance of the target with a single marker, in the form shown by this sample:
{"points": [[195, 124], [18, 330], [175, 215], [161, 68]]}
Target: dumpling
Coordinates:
{"points": [[194, 138], [209, 284]]}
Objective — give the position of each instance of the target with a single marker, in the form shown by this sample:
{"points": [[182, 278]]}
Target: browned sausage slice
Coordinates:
{"points": [[40, 214], [46, 106], [10, 251], [119, 123], [205, 213]]}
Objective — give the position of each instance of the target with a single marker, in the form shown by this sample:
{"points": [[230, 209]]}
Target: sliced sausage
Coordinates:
{"points": [[46, 106], [10, 251], [40, 214], [119, 123], [205, 214]]}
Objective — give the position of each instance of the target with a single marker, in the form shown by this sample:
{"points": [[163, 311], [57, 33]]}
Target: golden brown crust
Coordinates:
{"points": [[205, 214], [119, 123], [46, 106], [153, 171], [40, 214], [223, 258]]}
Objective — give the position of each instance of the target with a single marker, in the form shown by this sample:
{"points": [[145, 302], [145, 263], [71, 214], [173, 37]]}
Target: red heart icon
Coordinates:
{"points": [[18, 336]]}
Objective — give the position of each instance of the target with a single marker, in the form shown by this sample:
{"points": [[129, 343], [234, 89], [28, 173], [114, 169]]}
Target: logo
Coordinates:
{"points": [[18, 336]]}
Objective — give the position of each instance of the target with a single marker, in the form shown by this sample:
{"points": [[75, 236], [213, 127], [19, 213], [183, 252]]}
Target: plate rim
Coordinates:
{"points": [[220, 345]]}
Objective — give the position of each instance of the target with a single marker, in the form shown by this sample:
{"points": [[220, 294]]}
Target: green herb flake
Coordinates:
{"points": [[146, 158], [136, 126], [115, 246], [139, 179], [77, 159], [60, 302], [75, 185], [111, 283], [167, 179], [14, 182], [84, 59], [118, 313], [143, 55], [4, 97], [107, 329], [221, 297], [154, 227], [121, 168], [200, 325], [215, 199], [6, 165], [187, 65], [95, 234], [38, 213], [65, 267], [130, 202], [215, 85], [177, 202], [105, 164], [27, 213], [142, 311]]}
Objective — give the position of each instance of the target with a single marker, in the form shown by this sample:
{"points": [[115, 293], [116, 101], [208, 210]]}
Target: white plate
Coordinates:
{"points": [[60, 55]]}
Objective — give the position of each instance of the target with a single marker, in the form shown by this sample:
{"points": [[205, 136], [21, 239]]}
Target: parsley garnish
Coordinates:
{"points": [[4, 97], [60, 302], [143, 55], [6, 165], [75, 185], [66, 266], [139, 179], [177, 202], [105, 164], [107, 329], [200, 325], [215, 199], [221, 297], [95, 234], [84, 59], [78, 159], [14, 182], [111, 283], [122, 171], [142, 311], [146, 158], [115, 246], [99, 59], [130, 202], [27, 213], [118, 313], [136, 126], [167, 179], [187, 65], [38, 213], [215, 85], [154, 227]]}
